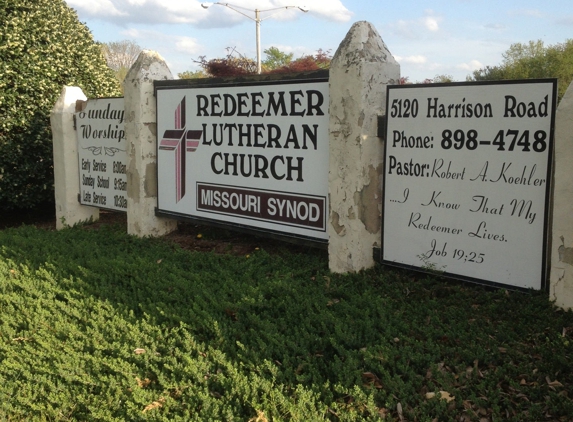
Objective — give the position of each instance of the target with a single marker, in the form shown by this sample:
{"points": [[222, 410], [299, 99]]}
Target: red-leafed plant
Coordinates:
{"points": [[239, 65]]}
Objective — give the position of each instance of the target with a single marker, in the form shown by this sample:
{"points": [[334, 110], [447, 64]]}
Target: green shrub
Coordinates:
{"points": [[43, 47]]}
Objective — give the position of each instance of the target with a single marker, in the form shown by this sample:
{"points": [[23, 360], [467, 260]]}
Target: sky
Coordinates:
{"points": [[433, 38]]}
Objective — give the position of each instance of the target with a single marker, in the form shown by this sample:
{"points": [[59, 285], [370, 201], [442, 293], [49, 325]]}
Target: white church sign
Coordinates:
{"points": [[102, 154], [254, 156], [467, 180]]}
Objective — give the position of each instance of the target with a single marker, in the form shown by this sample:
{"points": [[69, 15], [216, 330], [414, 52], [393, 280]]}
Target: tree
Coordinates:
{"points": [[488, 73], [440, 79], [120, 56], [275, 58], [533, 60], [195, 74], [43, 46]]}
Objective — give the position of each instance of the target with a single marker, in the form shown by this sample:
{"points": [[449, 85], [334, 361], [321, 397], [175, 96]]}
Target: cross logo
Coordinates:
{"points": [[181, 141]]}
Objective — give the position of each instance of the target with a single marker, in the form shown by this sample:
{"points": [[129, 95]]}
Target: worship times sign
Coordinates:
{"points": [[467, 179], [243, 154], [102, 154]]}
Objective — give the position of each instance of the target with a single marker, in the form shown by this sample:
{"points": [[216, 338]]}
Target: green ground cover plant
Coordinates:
{"points": [[96, 325]]}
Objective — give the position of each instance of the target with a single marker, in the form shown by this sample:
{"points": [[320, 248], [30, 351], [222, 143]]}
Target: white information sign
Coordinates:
{"points": [[467, 179], [248, 155], [102, 154]]}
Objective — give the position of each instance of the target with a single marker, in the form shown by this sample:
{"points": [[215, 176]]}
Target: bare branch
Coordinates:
{"points": [[120, 54]]}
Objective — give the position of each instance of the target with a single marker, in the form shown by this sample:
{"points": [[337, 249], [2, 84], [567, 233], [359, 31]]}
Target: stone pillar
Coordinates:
{"points": [[140, 132], [66, 166], [359, 72], [561, 276]]}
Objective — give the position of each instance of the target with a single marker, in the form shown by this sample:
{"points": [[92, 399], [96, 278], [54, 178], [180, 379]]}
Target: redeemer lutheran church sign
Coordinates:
{"points": [[249, 155]]}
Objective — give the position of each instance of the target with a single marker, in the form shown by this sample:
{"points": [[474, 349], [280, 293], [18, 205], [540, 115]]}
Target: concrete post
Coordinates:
{"points": [[140, 131], [561, 277], [359, 72], [66, 166]]}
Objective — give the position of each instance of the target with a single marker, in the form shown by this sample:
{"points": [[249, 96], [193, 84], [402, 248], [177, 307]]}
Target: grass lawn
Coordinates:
{"points": [[96, 325]]}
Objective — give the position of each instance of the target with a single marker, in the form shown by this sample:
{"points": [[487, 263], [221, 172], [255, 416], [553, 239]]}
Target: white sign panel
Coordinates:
{"points": [[249, 155], [102, 154], [467, 179]]}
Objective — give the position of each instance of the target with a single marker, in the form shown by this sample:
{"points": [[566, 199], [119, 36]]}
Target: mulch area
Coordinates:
{"points": [[43, 216], [189, 236]]}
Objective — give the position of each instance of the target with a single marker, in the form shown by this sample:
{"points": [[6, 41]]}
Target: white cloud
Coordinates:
{"points": [[419, 59], [471, 65], [431, 21], [150, 39], [141, 11], [187, 45], [137, 34], [417, 28], [124, 12], [96, 8], [332, 10], [431, 24]]}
